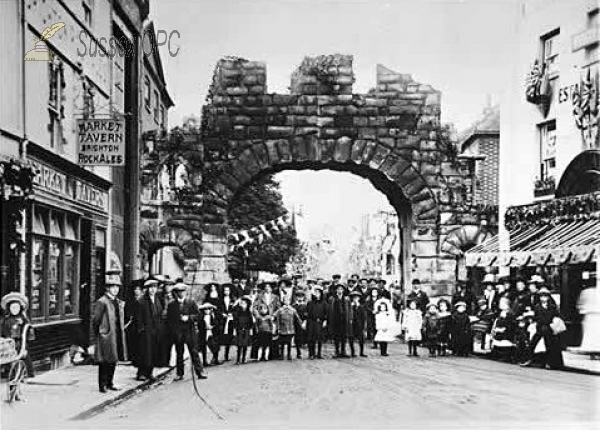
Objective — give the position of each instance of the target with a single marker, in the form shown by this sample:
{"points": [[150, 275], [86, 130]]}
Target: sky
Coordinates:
{"points": [[460, 47]]}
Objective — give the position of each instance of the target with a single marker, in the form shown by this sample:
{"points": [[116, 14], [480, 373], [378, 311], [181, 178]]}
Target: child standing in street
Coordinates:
{"points": [[14, 322], [431, 329], [242, 324], [444, 323], [461, 331], [301, 308], [412, 324], [359, 324], [384, 321], [286, 319], [264, 326]]}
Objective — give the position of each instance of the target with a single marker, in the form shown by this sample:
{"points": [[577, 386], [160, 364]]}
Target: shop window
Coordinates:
{"points": [[547, 133], [550, 52], [100, 261], [54, 264], [38, 262]]}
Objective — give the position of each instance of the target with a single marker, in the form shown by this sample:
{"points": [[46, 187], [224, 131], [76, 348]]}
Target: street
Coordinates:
{"points": [[397, 391]]}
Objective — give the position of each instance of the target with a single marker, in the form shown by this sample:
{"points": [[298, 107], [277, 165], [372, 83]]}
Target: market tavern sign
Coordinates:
{"points": [[70, 187], [101, 142]]}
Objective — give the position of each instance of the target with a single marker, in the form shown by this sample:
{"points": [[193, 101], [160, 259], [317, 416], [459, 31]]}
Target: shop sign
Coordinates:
{"points": [[585, 38], [50, 179], [60, 184], [89, 195], [101, 142]]}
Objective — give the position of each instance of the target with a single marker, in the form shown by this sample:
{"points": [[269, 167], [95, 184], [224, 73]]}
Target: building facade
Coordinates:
{"points": [[77, 217], [549, 155], [481, 144]]}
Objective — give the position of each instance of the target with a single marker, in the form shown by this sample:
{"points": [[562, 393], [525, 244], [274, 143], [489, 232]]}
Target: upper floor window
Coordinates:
{"points": [[548, 149], [550, 52], [147, 93], [156, 107], [591, 51], [87, 12], [162, 117]]}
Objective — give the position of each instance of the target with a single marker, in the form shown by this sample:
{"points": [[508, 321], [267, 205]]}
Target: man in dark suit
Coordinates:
{"points": [[149, 328], [182, 314], [339, 322], [109, 327]]}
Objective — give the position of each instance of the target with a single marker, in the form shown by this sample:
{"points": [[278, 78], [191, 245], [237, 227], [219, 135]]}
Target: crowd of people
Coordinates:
{"points": [[269, 321]]}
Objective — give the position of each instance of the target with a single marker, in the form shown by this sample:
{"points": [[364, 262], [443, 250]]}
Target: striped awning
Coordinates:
{"points": [[572, 242]]}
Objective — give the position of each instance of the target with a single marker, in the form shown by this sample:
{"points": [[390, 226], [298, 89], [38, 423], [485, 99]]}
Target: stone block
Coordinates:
{"points": [[379, 155], [272, 152], [238, 171], [274, 132], [361, 121], [357, 150], [342, 150], [285, 152], [327, 149], [237, 91], [250, 162], [313, 149], [325, 122], [261, 155], [343, 120], [424, 248], [368, 151], [330, 132], [387, 141], [367, 133]]}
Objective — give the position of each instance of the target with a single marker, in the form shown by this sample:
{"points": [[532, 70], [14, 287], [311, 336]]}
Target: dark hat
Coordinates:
{"points": [[311, 281], [355, 293], [416, 282], [300, 293], [208, 286], [336, 277]]}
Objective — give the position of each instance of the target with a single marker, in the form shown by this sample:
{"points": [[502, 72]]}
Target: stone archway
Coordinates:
{"points": [[391, 136]]}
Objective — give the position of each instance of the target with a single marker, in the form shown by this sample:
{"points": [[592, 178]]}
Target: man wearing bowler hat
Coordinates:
{"points": [[109, 329], [182, 314]]}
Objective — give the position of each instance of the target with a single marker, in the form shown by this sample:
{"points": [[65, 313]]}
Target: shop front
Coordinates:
{"points": [[66, 258], [557, 239]]}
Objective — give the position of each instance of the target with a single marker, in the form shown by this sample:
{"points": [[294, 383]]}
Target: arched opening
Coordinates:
{"points": [[389, 214], [582, 176], [380, 181]]}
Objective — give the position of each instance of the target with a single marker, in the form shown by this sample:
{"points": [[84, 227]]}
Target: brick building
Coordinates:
{"points": [[481, 144]]}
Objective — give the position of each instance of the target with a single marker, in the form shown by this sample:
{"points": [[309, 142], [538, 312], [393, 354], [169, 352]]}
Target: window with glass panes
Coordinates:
{"points": [[54, 264], [548, 149], [550, 52]]}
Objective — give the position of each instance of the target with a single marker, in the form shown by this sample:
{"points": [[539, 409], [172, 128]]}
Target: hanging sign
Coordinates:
{"points": [[101, 142]]}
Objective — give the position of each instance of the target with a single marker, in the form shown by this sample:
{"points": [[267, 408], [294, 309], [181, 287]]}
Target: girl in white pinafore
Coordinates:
{"points": [[384, 320], [412, 324]]}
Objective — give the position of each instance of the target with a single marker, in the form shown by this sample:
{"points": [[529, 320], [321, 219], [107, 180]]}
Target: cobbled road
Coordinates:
{"points": [[375, 392]]}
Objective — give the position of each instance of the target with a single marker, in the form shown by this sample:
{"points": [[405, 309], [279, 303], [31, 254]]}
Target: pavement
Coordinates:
{"points": [[69, 397]]}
